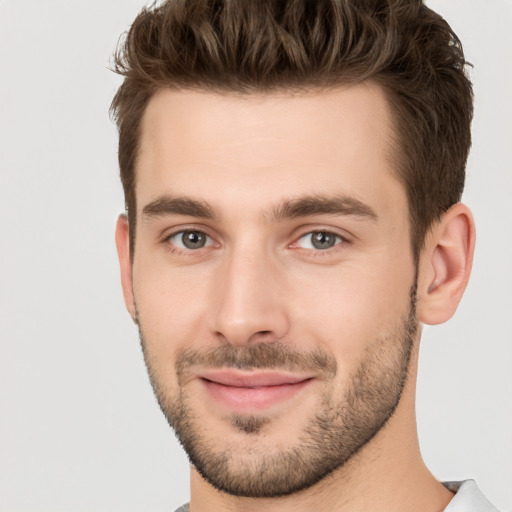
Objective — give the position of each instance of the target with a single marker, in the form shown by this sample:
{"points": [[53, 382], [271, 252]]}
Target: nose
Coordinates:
{"points": [[250, 299]]}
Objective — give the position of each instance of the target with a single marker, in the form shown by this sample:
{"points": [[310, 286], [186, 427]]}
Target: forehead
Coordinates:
{"points": [[266, 147]]}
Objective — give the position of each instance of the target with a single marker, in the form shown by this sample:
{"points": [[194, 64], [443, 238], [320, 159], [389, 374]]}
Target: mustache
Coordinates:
{"points": [[270, 356]]}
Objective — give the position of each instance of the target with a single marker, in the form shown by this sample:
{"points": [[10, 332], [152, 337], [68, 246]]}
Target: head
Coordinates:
{"points": [[291, 173]]}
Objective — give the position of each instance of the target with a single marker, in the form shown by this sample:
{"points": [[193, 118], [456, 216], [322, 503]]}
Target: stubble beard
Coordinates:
{"points": [[336, 432]]}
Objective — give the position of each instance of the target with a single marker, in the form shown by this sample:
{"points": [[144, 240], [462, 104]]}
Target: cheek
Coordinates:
{"points": [[171, 304], [349, 308]]}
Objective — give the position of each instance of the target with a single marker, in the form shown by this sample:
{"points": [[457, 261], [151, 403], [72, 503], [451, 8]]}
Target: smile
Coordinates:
{"points": [[246, 392]]}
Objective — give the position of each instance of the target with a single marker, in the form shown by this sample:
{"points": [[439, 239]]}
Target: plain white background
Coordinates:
{"points": [[80, 429]]}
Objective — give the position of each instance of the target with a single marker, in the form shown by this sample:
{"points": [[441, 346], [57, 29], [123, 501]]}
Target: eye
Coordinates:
{"points": [[190, 239], [319, 240]]}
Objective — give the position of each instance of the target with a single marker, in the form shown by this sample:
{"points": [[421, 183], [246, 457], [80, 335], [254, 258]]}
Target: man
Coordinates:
{"points": [[292, 174]]}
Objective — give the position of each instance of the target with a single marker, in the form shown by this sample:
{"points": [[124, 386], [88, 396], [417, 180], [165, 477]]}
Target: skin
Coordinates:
{"points": [[258, 280]]}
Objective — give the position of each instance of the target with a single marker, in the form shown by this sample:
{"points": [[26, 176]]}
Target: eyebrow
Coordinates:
{"points": [[320, 205], [303, 206], [175, 205]]}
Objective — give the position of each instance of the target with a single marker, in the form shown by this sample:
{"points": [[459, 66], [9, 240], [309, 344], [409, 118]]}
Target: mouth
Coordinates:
{"points": [[251, 391]]}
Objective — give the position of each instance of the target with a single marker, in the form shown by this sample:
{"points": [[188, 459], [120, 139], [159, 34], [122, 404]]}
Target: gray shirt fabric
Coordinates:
{"points": [[468, 498]]}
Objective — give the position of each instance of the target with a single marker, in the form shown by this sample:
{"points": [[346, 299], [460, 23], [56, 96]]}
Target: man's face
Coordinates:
{"points": [[273, 280]]}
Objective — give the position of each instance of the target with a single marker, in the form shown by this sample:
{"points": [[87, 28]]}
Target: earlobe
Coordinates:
{"points": [[125, 263], [445, 265]]}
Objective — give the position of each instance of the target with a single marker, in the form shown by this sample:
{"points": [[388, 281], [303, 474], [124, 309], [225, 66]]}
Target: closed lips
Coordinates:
{"points": [[252, 379], [248, 392]]}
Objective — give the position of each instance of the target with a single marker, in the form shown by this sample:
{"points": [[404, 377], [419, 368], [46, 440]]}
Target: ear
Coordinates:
{"points": [[445, 265], [125, 263]]}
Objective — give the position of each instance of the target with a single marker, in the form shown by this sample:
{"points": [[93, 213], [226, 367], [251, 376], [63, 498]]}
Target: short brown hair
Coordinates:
{"points": [[247, 46]]}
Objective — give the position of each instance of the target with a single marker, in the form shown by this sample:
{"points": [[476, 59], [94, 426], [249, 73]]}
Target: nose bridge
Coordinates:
{"points": [[249, 306]]}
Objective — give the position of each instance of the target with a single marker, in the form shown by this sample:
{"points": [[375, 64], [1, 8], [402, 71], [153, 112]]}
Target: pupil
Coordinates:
{"points": [[193, 239], [323, 240]]}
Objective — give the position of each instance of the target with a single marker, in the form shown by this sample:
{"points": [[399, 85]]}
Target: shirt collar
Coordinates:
{"points": [[468, 498]]}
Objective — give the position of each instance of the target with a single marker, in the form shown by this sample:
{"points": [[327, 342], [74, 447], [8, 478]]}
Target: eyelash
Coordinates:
{"points": [[339, 245], [166, 240]]}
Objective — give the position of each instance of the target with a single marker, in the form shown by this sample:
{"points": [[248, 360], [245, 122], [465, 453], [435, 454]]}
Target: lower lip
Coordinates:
{"points": [[247, 400]]}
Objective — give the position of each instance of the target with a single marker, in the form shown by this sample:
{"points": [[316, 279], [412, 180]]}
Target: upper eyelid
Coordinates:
{"points": [[307, 230], [322, 231], [343, 241], [181, 231], [175, 248], [170, 232]]}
